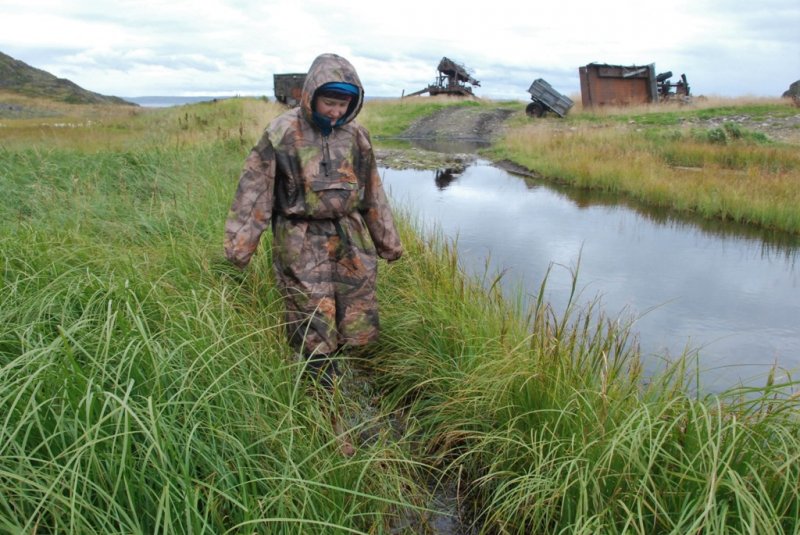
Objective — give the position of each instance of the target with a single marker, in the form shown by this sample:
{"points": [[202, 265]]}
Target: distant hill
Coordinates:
{"points": [[19, 77]]}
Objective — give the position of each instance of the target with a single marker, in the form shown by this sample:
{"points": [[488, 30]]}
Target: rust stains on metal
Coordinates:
{"points": [[288, 87], [603, 84], [453, 79]]}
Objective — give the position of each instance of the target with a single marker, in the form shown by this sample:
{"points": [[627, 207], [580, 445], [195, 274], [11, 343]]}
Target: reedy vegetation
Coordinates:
{"points": [[664, 156], [144, 384]]}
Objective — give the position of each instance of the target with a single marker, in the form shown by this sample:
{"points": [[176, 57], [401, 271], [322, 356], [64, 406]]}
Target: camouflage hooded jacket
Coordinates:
{"points": [[295, 172]]}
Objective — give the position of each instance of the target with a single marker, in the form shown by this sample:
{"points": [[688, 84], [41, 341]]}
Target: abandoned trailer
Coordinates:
{"points": [[545, 98]]}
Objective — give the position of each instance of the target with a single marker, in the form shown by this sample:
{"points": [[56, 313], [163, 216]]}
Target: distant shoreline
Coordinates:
{"points": [[167, 101]]}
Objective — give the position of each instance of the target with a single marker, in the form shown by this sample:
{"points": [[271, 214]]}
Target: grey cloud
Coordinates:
{"points": [[738, 47]]}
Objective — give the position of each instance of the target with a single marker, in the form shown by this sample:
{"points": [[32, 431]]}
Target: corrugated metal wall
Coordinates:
{"points": [[617, 85]]}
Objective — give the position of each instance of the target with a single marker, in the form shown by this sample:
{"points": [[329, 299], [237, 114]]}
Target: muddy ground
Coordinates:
{"points": [[460, 123], [456, 124]]}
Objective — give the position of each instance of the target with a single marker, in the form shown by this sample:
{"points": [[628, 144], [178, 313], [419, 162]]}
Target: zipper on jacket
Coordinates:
{"points": [[326, 155]]}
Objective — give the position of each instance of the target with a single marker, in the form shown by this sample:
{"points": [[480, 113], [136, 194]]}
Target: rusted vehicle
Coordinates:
{"points": [[667, 91], [545, 98], [615, 85], [453, 79], [288, 87], [793, 93]]}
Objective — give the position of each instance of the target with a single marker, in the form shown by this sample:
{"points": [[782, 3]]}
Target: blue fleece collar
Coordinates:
{"points": [[325, 125]]}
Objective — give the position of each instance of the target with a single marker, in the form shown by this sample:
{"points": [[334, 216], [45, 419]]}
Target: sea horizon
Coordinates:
{"points": [[165, 101]]}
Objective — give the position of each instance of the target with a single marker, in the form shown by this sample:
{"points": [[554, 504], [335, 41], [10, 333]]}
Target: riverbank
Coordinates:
{"points": [[146, 386], [725, 160]]}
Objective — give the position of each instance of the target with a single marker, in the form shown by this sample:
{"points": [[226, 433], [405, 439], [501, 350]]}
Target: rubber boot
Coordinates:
{"points": [[324, 371]]}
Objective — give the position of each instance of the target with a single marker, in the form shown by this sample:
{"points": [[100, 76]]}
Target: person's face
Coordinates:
{"points": [[332, 108]]}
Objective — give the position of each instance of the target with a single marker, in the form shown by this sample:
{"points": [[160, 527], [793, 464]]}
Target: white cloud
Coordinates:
{"points": [[149, 47]]}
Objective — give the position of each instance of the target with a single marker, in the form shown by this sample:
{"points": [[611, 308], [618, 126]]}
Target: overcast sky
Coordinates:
{"points": [[233, 47]]}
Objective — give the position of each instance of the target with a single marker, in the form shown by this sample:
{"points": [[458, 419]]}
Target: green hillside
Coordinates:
{"points": [[19, 77]]}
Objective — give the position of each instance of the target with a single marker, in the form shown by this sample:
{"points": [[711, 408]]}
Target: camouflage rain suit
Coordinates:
{"points": [[329, 214]]}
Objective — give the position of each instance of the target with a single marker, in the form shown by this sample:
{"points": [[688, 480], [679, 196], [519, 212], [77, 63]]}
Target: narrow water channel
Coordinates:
{"points": [[726, 294]]}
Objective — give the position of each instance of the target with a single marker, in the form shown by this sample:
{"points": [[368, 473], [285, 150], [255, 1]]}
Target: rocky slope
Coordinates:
{"points": [[20, 78]]}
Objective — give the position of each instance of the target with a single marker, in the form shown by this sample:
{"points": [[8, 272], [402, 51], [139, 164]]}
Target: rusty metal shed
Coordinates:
{"points": [[614, 85], [289, 87]]}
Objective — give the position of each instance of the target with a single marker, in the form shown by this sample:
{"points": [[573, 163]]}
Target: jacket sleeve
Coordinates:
{"points": [[375, 206], [251, 210]]}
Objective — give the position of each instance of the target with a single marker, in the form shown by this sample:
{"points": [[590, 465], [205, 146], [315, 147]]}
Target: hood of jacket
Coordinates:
{"points": [[328, 68]]}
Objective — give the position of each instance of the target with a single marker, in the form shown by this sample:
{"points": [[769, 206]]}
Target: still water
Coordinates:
{"points": [[725, 294]]}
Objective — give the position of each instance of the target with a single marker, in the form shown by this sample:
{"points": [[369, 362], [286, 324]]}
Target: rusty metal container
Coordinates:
{"points": [[617, 85], [288, 87]]}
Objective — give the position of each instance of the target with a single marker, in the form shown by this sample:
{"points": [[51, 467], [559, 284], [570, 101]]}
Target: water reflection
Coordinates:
{"points": [[445, 176], [772, 242], [728, 292]]}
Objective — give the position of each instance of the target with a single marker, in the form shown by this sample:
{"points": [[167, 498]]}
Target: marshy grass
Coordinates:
{"points": [[550, 425], [145, 385], [671, 157]]}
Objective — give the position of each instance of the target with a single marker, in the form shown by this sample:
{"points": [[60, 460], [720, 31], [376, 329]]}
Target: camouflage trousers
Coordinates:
{"points": [[326, 270]]}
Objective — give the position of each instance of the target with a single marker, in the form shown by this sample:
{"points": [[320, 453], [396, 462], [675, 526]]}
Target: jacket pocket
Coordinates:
{"points": [[344, 184], [332, 198]]}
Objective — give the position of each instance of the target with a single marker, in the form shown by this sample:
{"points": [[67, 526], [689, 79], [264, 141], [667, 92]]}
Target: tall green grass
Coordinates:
{"points": [[145, 385], [551, 426]]}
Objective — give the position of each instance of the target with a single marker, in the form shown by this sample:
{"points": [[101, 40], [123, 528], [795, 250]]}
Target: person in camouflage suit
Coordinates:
{"points": [[314, 178]]}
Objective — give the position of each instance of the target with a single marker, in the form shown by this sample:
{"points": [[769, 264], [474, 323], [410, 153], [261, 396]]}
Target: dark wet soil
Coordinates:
{"points": [[460, 123], [441, 509], [457, 126]]}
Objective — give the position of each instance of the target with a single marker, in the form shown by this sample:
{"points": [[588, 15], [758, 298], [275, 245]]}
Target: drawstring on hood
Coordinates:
{"points": [[326, 153]]}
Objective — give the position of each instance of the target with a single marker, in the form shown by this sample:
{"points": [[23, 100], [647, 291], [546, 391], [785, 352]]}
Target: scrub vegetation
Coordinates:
{"points": [[145, 385], [732, 161]]}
